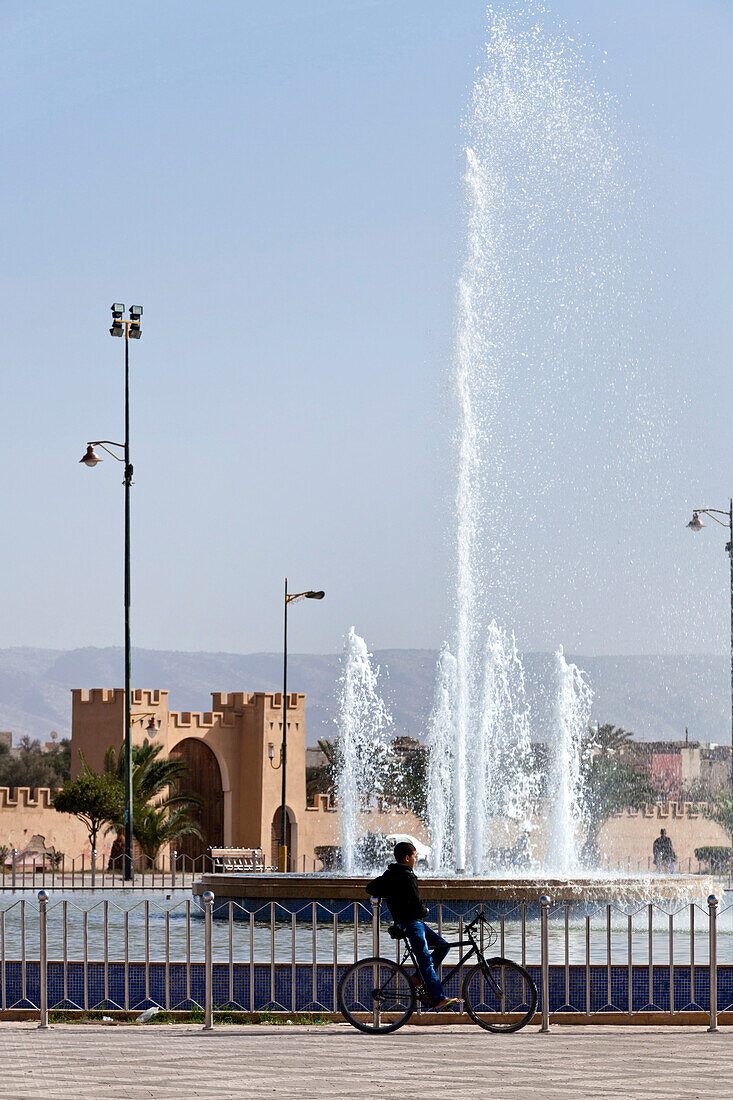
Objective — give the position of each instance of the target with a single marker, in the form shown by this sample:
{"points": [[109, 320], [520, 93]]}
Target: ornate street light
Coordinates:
{"points": [[696, 524], [289, 598]]}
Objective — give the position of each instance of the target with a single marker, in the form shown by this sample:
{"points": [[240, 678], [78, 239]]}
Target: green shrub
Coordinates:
{"points": [[717, 856]]}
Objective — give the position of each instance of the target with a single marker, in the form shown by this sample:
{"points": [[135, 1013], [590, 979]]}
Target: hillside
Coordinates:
{"points": [[656, 697]]}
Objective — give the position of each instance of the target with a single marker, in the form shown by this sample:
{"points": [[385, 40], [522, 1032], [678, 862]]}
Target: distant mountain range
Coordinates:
{"points": [[655, 697]]}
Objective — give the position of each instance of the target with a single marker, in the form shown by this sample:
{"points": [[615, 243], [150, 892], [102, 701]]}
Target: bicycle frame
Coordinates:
{"points": [[473, 950]]}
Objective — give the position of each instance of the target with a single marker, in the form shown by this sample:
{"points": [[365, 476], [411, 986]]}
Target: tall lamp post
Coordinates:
{"points": [[289, 598], [130, 330], [696, 524]]}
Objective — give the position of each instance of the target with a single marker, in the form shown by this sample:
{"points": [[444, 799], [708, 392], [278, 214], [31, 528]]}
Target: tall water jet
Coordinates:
{"points": [[441, 746], [566, 804], [539, 290], [364, 757], [504, 785]]}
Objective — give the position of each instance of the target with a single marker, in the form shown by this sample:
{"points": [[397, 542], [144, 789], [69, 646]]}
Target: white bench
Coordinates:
{"points": [[238, 859]]}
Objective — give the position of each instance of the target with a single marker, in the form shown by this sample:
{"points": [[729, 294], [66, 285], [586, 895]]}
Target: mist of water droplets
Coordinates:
{"points": [[365, 756], [565, 794], [541, 290]]}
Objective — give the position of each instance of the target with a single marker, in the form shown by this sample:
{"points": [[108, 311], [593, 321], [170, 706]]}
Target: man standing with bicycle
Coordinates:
{"points": [[399, 888]]}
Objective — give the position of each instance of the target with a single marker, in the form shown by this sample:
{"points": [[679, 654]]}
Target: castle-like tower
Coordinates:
{"points": [[228, 750]]}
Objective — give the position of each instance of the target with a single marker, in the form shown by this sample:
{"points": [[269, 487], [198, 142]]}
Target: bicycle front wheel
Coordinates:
{"points": [[376, 996], [499, 995]]}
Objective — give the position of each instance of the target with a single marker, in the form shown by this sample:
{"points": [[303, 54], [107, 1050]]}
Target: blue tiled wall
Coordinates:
{"points": [[188, 992]]}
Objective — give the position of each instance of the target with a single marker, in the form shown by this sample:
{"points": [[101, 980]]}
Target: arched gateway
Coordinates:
{"points": [[204, 780], [291, 838]]}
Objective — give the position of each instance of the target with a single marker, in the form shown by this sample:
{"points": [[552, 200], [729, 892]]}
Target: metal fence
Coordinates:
{"points": [[689, 866], [162, 951], [94, 871]]}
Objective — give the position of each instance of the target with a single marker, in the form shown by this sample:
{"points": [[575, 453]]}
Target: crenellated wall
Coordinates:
{"points": [[27, 818], [238, 731], [628, 836]]}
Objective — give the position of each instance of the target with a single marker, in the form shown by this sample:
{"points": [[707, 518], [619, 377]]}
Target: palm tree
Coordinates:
{"points": [[155, 825], [160, 810], [613, 779]]}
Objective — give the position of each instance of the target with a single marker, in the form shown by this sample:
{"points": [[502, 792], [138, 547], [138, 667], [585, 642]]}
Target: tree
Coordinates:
{"points": [[720, 809], [155, 825], [32, 766], [407, 783], [96, 800], [160, 808], [320, 778], [610, 783]]}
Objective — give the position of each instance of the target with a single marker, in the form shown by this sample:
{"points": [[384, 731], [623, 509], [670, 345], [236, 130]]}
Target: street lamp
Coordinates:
{"points": [[130, 329], [289, 598], [696, 524]]}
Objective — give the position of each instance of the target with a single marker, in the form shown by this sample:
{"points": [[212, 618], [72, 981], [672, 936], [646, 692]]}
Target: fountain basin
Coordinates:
{"points": [[336, 894]]}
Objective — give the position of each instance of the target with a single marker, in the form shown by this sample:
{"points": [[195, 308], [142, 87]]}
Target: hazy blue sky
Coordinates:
{"points": [[279, 185]]}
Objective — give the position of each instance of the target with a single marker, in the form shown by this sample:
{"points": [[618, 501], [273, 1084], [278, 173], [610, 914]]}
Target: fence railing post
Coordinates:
{"points": [[208, 964], [545, 962], [15, 865], [713, 946], [94, 867], [43, 959], [174, 853], [375, 953]]}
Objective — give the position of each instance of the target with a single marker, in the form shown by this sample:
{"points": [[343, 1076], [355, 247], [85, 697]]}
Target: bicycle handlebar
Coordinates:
{"points": [[480, 916]]}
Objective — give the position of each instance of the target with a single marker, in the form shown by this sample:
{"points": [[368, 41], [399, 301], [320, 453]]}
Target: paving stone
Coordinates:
{"points": [[177, 1061]]}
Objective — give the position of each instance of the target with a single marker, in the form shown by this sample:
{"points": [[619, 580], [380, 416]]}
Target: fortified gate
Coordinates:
{"points": [[228, 750]]}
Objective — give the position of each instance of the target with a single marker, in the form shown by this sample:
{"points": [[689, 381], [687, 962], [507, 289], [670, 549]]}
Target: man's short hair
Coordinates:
{"points": [[402, 849]]}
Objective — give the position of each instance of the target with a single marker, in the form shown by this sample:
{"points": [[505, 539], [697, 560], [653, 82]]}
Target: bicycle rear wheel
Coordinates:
{"points": [[376, 996], [499, 995]]}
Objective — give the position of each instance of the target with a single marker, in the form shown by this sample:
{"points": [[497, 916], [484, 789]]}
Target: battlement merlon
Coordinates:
{"points": [[665, 809], [221, 701], [294, 699], [187, 719], [22, 798], [95, 696], [139, 697], [239, 701]]}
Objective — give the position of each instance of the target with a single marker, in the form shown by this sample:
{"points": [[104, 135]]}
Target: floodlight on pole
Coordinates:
{"points": [[129, 329]]}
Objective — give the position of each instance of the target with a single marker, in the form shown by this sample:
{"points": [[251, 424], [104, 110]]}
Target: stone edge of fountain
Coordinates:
{"points": [[321, 887]]}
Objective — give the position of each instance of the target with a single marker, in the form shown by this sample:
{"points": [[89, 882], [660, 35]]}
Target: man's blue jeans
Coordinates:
{"points": [[430, 950]]}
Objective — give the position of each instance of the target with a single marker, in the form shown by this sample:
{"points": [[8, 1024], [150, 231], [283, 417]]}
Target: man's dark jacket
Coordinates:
{"points": [[398, 886]]}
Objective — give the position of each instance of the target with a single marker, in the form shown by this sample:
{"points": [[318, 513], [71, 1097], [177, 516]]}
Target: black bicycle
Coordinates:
{"points": [[378, 995]]}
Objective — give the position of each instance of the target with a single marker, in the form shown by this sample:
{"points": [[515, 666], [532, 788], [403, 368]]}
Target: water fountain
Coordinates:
{"points": [[545, 198], [365, 756]]}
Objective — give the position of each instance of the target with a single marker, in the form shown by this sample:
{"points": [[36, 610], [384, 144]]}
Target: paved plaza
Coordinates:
{"points": [[178, 1061]]}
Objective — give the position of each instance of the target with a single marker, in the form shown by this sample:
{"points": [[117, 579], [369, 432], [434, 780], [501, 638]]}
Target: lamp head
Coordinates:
{"points": [[136, 313], [135, 330], [153, 725], [314, 595], [118, 329], [90, 457], [696, 524], [117, 310], [271, 750]]}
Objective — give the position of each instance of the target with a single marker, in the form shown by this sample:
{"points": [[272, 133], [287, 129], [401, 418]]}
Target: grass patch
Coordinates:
{"points": [[194, 1016]]}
